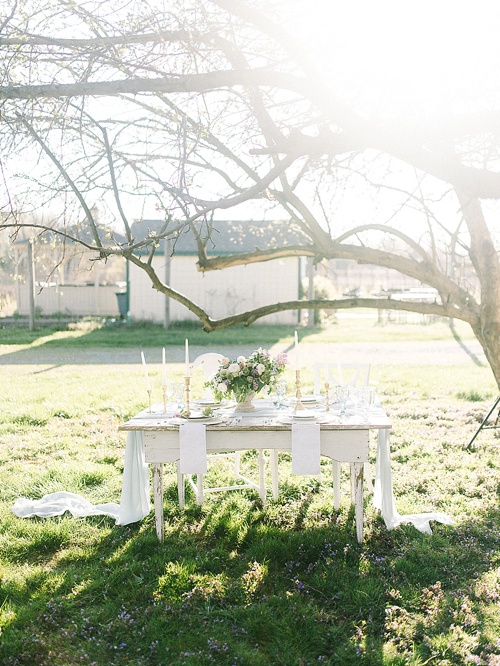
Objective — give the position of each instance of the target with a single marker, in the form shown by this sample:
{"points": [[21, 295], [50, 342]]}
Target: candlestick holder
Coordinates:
{"points": [[149, 399], [298, 394], [164, 389], [187, 382], [327, 397]]}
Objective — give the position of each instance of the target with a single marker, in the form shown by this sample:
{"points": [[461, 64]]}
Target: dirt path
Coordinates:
{"points": [[381, 353]]}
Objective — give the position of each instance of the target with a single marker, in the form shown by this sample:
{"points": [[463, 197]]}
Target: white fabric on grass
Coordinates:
{"points": [[383, 494], [134, 504]]}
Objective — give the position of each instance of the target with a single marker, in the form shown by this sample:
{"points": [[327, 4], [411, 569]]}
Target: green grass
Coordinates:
{"points": [[236, 582], [92, 333]]}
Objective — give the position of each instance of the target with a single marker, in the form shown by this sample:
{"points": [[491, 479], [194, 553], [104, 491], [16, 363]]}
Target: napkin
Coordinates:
{"points": [[193, 448], [305, 448]]}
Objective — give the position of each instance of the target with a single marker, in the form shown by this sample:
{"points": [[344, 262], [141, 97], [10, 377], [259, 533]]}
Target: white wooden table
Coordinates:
{"points": [[342, 442]]}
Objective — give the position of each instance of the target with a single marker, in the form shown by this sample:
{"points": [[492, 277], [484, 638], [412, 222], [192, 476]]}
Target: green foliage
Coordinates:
{"points": [[236, 582], [473, 395]]}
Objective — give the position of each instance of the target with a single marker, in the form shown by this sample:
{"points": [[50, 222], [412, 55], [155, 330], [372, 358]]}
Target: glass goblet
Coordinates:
{"points": [[280, 393], [178, 396], [168, 390], [342, 394], [365, 400]]}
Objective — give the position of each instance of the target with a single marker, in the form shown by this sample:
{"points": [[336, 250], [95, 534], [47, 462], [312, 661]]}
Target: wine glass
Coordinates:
{"points": [[176, 390], [365, 400], [280, 393], [342, 393], [355, 397], [168, 391]]}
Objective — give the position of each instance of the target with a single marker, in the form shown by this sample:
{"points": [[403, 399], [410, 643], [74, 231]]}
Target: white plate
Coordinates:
{"points": [[305, 415], [307, 398], [207, 420], [154, 415], [210, 403], [198, 415], [319, 418]]}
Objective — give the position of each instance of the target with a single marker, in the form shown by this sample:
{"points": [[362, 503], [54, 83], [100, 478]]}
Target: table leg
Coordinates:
{"points": [[368, 477], [353, 484], [237, 463], [262, 475], [357, 469], [181, 488], [336, 483], [158, 498], [200, 495], [274, 473]]}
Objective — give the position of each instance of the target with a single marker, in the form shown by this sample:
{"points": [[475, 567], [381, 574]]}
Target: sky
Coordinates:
{"points": [[398, 58], [405, 56]]}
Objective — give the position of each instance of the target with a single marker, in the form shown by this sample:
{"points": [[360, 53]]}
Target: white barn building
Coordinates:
{"points": [[220, 293]]}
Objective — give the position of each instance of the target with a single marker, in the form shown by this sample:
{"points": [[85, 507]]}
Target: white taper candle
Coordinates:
{"points": [[163, 369], [297, 364], [188, 374], [146, 375]]}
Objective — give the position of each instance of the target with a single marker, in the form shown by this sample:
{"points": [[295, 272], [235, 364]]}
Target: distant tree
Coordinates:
{"points": [[203, 106]]}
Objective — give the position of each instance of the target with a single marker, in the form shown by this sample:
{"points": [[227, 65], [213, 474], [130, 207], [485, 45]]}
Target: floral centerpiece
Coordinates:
{"points": [[244, 377]]}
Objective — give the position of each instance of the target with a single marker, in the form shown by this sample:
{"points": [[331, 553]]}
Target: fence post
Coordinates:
{"points": [[31, 285]]}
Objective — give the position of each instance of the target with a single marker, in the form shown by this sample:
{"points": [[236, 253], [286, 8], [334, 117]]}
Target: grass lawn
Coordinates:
{"points": [[109, 333], [237, 582]]}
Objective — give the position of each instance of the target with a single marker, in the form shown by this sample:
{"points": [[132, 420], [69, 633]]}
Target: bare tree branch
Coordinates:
{"points": [[68, 179]]}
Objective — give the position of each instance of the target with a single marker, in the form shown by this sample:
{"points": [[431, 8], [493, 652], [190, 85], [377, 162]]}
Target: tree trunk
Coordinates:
{"points": [[485, 260]]}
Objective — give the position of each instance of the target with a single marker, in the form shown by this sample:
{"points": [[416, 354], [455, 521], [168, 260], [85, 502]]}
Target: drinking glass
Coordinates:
{"points": [[280, 393], [178, 395], [356, 398], [169, 393], [365, 400], [342, 393]]}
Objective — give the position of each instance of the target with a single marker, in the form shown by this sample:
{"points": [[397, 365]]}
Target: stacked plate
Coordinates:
{"points": [[310, 399], [304, 416]]}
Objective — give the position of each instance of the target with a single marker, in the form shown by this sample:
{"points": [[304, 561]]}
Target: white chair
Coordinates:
{"points": [[209, 363], [346, 374]]}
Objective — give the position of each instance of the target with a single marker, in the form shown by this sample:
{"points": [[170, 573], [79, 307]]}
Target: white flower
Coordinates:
{"points": [[234, 369], [222, 388], [260, 368], [241, 360]]}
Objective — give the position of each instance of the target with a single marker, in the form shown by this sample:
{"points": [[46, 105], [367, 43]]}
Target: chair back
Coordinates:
{"points": [[346, 374], [209, 363]]}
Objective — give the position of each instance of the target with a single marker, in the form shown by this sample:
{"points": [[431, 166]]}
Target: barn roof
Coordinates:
{"points": [[228, 236], [81, 231]]}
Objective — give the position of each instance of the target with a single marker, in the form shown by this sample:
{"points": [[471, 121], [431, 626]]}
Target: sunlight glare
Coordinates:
{"points": [[404, 57]]}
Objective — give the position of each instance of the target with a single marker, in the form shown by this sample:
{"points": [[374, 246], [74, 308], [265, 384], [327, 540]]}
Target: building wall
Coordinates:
{"points": [[77, 300], [220, 293], [79, 286]]}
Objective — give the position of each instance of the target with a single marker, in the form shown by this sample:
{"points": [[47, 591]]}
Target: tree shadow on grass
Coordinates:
{"points": [[239, 583]]}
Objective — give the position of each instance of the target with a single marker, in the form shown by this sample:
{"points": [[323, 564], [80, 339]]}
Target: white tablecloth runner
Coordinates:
{"points": [[383, 494], [55, 504]]}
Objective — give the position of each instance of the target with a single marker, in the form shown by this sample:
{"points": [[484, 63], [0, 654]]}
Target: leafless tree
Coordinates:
{"points": [[202, 106]]}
